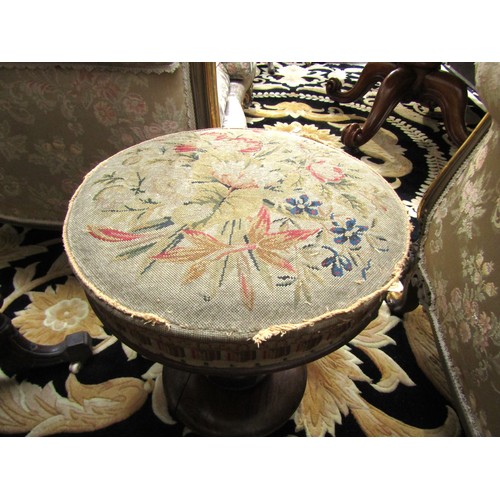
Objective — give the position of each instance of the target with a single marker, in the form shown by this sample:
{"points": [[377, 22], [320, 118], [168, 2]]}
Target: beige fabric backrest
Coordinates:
{"points": [[58, 121], [459, 262]]}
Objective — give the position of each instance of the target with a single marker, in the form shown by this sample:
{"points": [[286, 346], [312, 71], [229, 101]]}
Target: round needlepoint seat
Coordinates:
{"points": [[234, 257]]}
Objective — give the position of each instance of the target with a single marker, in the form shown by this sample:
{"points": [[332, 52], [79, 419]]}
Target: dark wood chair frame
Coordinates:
{"points": [[423, 82]]}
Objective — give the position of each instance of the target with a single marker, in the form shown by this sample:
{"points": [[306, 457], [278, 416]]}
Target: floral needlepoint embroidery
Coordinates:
{"points": [[185, 148], [260, 243], [351, 232], [249, 145], [216, 135], [325, 172], [113, 235], [302, 204], [339, 263], [203, 245], [233, 215], [344, 260], [269, 244]]}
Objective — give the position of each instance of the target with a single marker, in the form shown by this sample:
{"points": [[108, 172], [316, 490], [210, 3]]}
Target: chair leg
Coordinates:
{"points": [[372, 73], [393, 89], [451, 95], [402, 82]]}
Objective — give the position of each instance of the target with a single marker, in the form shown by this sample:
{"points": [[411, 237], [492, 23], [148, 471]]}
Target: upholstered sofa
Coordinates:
{"points": [[59, 120], [457, 267], [234, 90]]}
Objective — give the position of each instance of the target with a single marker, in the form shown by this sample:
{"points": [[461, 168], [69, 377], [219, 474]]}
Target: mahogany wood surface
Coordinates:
{"points": [[19, 355], [403, 82], [245, 406]]}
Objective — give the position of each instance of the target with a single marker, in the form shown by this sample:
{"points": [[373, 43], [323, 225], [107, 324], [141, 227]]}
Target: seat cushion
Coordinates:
{"points": [[243, 240]]}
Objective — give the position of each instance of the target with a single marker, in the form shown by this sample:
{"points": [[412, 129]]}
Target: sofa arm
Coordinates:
{"points": [[242, 71], [234, 80]]}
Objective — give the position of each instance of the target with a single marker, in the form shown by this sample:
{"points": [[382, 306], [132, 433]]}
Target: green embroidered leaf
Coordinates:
{"points": [[135, 251], [109, 179], [156, 225]]}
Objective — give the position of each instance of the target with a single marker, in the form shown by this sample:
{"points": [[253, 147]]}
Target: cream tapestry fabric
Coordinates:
{"points": [[460, 263], [233, 231], [58, 122]]}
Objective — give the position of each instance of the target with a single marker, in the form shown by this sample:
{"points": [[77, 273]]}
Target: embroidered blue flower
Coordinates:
{"points": [[339, 263], [351, 232], [302, 204]]}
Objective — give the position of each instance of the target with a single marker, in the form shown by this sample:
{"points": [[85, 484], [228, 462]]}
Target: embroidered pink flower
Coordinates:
{"points": [[470, 308], [252, 146], [263, 243], [202, 245], [185, 148], [249, 145], [217, 136], [234, 182], [325, 172], [268, 244], [485, 328]]}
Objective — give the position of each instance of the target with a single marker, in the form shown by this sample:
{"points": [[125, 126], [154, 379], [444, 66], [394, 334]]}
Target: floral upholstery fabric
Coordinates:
{"points": [[223, 85], [235, 246], [459, 261], [240, 70], [57, 122]]}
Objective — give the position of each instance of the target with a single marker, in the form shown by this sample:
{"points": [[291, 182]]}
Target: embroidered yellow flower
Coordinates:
{"points": [[56, 313]]}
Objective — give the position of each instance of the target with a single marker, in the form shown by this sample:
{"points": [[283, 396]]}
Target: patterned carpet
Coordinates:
{"points": [[386, 382]]}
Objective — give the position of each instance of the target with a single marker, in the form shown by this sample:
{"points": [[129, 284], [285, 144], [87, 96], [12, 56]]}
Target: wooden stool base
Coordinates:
{"points": [[234, 406]]}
